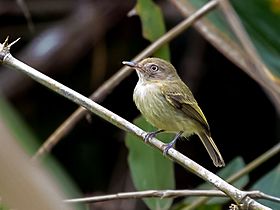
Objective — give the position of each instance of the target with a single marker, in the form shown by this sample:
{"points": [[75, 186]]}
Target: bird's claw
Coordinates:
{"points": [[149, 136], [172, 143], [167, 147]]}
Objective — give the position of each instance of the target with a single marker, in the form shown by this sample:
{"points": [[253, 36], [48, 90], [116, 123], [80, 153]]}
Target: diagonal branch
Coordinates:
{"points": [[249, 167], [239, 197], [167, 194], [110, 84]]}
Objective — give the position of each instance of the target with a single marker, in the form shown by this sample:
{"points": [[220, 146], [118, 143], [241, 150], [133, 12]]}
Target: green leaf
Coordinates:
{"points": [[232, 167], [152, 24], [18, 127], [2, 207], [269, 184], [28, 141], [210, 207], [150, 169], [262, 23], [261, 20]]}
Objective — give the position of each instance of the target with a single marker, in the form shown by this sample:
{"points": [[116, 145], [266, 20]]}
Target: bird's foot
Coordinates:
{"points": [[172, 143], [151, 135], [168, 147]]}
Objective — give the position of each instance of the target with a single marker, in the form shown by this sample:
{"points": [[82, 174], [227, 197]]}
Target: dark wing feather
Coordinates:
{"points": [[190, 109]]}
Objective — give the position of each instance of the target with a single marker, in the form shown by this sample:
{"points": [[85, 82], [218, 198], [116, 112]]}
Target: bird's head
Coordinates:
{"points": [[153, 69]]}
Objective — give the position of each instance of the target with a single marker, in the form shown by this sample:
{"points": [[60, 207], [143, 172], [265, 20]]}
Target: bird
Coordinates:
{"points": [[168, 104]]}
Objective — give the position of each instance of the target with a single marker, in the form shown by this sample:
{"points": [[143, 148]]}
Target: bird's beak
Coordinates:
{"points": [[135, 65], [130, 64]]}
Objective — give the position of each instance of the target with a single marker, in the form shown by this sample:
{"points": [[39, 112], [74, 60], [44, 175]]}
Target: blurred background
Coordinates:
{"points": [[82, 44]]}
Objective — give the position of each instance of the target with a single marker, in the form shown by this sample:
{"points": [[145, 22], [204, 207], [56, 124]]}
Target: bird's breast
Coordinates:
{"points": [[148, 98], [158, 111]]}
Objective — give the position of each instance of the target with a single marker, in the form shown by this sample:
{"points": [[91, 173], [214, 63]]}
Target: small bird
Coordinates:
{"points": [[168, 104]]}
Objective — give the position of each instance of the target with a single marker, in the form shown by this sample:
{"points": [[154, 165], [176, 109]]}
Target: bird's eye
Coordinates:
{"points": [[154, 67]]}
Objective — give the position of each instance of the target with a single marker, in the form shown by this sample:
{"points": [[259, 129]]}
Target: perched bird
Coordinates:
{"points": [[168, 104]]}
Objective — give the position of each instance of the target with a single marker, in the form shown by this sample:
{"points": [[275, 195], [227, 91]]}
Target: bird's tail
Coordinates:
{"points": [[212, 149]]}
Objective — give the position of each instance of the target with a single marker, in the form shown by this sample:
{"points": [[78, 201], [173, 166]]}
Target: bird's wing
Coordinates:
{"points": [[185, 102]]}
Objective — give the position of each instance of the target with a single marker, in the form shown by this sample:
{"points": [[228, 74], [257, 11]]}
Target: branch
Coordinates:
{"points": [[148, 194], [238, 196], [249, 167], [27, 15], [167, 194], [110, 84]]}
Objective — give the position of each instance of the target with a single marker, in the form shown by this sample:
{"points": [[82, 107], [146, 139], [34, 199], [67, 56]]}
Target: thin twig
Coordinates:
{"points": [[167, 194], [110, 84], [255, 163], [268, 197], [250, 167], [148, 194], [27, 15], [238, 196]]}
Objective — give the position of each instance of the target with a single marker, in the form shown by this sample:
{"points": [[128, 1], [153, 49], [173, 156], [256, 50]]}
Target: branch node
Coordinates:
{"points": [[5, 44], [233, 207], [163, 195], [246, 202], [10, 45], [5, 48]]}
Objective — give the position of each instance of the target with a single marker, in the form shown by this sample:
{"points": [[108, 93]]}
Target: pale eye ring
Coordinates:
{"points": [[154, 67]]}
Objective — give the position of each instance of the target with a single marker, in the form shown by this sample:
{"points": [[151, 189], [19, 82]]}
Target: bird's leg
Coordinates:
{"points": [[152, 135], [172, 143]]}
